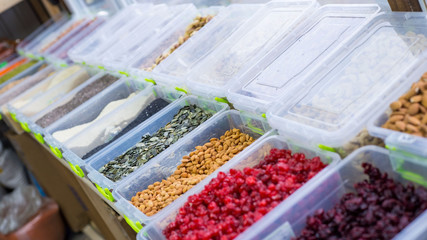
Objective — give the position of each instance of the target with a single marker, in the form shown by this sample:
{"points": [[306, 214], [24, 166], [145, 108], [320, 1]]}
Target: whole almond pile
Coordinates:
{"points": [[193, 168], [409, 113]]}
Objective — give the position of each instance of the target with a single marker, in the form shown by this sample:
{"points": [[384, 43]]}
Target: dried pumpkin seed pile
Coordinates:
{"points": [[187, 119]]}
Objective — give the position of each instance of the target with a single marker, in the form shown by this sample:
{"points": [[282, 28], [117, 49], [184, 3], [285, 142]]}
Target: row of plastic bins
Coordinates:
{"points": [[321, 192]]}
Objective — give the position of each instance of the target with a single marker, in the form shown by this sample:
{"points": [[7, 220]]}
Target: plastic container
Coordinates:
{"points": [[249, 158], [119, 24], [156, 31], [164, 41], [91, 109], [29, 71], [289, 218], [20, 88], [343, 96], [109, 126], [35, 127], [180, 62], [303, 50], [251, 41], [148, 127], [59, 35], [46, 92], [59, 56], [165, 166], [26, 47]]}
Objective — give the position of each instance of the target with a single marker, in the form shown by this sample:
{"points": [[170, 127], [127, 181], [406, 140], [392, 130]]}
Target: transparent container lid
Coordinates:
{"points": [[340, 98], [60, 55], [228, 20], [254, 38], [117, 25], [167, 40], [59, 35], [298, 54], [123, 52], [35, 37], [94, 7]]}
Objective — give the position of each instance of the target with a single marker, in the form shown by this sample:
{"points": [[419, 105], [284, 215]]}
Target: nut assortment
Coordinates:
{"points": [[193, 168], [362, 139], [195, 26], [409, 112]]}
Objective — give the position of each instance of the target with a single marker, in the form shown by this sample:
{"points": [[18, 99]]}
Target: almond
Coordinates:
{"points": [[413, 109]]}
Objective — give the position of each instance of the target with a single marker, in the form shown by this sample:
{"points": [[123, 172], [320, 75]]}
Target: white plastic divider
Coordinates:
{"points": [[213, 75], [150, 126], [345, 94], [166, 166], [248, 158], [299, 54], [180, 62]]}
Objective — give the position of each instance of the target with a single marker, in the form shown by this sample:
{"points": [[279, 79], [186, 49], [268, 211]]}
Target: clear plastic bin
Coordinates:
{"points": [[42, 30], [119, 24], [148, 127], [64, 100], [180, 62], [109, 126], [46, 92], [59, 35], [251, 41], [298, 54], [23, 86], [91, 109], [166, 166], [27, 72], [27, 46], [289, 218], [59, 56], [249, 158], [163, 42], [122, 53], [344, 95], [398, 142]]}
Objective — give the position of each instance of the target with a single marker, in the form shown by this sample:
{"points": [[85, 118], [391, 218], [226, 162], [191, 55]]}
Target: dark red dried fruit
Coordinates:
{"points": [[232, 202], [380, 209]]}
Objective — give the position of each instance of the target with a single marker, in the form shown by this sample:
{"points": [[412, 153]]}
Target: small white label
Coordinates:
{"points": [[282, 232]]}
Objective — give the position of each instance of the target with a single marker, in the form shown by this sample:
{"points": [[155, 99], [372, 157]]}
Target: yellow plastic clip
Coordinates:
{"points": [[151, 81], [326, 148], [25, 127], [105, 192], [13, 116], [181, 90], [39, 138], [1, 117], [76, 168], [124, 73], [56, 151], [136, 226]]}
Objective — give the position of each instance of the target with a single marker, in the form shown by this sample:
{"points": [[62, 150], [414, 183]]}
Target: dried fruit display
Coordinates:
{"points": [[379, 209], [17, 70], [195, 26], [186, 120], [234, 201], [193, 168], [409, 112]]}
